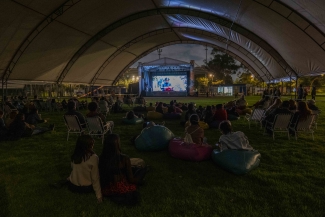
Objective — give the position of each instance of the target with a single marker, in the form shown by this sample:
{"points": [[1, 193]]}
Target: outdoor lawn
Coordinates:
{"points": [[290, 180]]}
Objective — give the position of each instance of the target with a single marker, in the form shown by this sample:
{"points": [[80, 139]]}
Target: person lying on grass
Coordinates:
{"points": [[118, 182], [232, 140], [84, 177]]}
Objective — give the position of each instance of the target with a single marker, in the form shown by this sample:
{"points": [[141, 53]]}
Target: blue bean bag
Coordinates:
{"points": [[132, 121], [192, 152], [236, 161], [172, 116], [153, 138]]}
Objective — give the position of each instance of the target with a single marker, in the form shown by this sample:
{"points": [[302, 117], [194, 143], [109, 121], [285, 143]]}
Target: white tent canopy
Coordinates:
{"points": [[94, 42]]}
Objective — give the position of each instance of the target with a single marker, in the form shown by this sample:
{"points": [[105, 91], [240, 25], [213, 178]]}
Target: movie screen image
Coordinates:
{"points": [[169, 83]]}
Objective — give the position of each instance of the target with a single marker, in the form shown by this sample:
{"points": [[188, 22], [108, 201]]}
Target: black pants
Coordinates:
{"points": [[80, 189]]}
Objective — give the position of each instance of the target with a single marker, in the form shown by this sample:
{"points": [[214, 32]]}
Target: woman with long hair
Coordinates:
{"points": [[116, 176], [84, 177], [301, 114]]}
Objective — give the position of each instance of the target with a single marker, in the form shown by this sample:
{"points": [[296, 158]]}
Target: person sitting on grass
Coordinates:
{"points": [[19, 128], [11, 118], [232, 140], [219, 115], [84, 177], [196, 132], [150, 107], [131, 114], [34, 118], [118, 181]]}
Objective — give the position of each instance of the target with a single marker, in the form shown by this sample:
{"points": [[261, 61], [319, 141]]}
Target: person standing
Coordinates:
{"points": [[313, 92], [300, 92]]}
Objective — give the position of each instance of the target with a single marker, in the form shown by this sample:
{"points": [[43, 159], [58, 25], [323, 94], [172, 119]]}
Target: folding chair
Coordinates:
{"points": [[96, 127], [304, 126], [316, 113], [280, 124], [73, 124], [256, 117]]}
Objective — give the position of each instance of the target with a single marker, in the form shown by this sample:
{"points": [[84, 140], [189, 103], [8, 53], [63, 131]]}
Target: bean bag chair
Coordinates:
{"points": [[189, 151], [236, 161], [171, 116], [150, 108], [153, 138], [132, 121], [154, 115], [203, 125]]}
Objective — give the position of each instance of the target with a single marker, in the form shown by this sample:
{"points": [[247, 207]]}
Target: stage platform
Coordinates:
{"points": [[165, 94]]}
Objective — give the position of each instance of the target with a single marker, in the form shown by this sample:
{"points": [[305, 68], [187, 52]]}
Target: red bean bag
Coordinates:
{"points": [[192, 152]]}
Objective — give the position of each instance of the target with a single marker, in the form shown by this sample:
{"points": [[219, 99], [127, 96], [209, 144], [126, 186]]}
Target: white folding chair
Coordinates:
{"points": [[73, 124], [304, 126], [96, 127], [256, 117], [316, 113], [280, 124]]}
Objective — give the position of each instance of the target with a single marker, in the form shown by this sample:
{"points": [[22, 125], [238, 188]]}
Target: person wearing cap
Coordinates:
{"points": [[232, 140], [196, 132], [311, 105]]}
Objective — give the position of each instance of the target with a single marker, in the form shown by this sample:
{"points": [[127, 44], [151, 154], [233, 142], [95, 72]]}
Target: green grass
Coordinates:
{"points": [[289, 181]]}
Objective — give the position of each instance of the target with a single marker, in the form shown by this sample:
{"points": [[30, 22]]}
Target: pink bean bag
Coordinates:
{"points": [[192, 152]]}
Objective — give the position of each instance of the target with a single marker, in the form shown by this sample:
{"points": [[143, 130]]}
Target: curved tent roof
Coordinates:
{"points": [[94, 42]]}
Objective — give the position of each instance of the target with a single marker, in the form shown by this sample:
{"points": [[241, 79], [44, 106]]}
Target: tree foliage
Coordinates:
{"points": [[223, 66]]}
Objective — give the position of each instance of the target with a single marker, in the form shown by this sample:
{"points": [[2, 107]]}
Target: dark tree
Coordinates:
{"points": [[223, 66]]}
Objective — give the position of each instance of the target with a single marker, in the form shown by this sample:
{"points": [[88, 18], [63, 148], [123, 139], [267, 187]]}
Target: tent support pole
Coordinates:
{"points": [[3, 96], [296, 87]]}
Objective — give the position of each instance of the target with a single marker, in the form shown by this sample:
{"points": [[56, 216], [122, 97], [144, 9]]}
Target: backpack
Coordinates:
{"points": [[188, 137]]}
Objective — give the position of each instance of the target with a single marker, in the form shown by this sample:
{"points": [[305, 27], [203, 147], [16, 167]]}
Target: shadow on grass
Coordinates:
{"points": [[4, 203]]}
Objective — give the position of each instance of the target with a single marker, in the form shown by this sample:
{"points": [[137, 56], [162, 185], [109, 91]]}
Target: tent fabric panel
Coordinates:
{"points": [[84, 69], [113, 69], [153, 41], [312, 10], [291, 42], [41, 6], [134, 29], [320, 39], [244, 42], [238, 52], [298, 20], [137, 49], [85, 15], [14, 28], [54, 45], [280, 8]]}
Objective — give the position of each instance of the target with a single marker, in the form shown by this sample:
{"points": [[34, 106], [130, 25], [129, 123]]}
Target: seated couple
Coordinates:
{"points": [[110, 175]]}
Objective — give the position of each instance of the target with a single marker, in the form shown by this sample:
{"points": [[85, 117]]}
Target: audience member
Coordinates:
{"points": [[196, 132], [72, 111], [84, 177], [118, 182], [232, 140]]}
